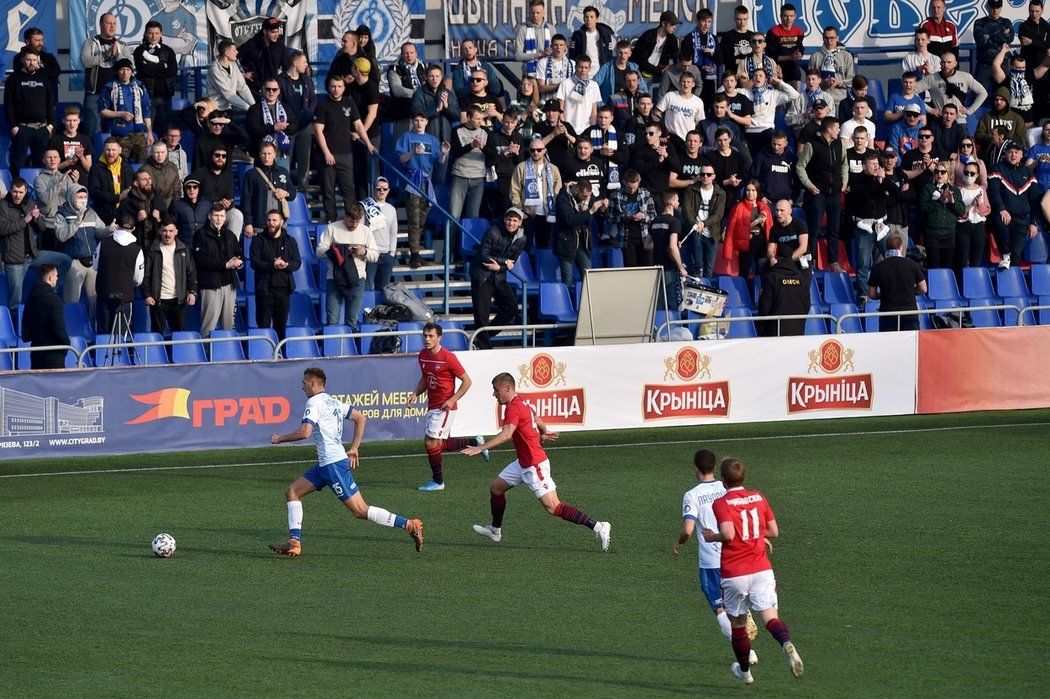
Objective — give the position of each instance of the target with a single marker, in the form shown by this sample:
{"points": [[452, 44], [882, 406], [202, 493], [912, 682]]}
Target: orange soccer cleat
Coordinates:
{"points": [[415, 530], [292, 547]]}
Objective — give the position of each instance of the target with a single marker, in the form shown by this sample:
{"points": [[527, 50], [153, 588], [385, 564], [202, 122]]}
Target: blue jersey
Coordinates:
{"points": [[1042, 168], [326, 415]]}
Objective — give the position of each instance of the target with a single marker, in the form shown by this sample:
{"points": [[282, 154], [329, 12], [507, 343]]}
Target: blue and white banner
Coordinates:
{"points": [[392, 23], [192, 407], [886, 24], [21, 14], [492, 24], [183, 22]]}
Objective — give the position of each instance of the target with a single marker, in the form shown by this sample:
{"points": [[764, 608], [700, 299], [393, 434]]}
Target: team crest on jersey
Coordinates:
{"points": [[554, 405], [690, 399], [835, 387]]}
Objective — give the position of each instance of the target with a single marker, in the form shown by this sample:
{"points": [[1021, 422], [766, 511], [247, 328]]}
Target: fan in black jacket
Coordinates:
{"points": [[274, 257], [216, 179], [156, 67], [43, 322], [496, 256], [106, 190], [168, 306]]}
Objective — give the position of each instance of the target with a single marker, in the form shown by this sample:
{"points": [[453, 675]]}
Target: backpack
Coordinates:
{"points": [[383, 312], [396, 293], [344, 268], [386, 344]]}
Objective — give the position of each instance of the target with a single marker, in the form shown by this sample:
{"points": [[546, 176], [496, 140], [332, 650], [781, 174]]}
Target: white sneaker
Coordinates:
{"points": [[744, 677], [488, 531], [753, 658], [1004, 262], [794, 661], [602, 530], [478, 441]]}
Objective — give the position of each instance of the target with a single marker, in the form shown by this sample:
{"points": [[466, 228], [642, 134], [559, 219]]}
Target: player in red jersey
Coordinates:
{"points": [[745, 526], [532, 467], [439, 370]]}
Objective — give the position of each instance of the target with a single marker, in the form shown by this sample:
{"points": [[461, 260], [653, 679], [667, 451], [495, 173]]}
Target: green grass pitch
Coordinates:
{"points": [[911, 562]]}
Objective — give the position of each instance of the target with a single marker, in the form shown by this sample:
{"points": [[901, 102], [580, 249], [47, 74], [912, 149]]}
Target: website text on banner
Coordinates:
{"points": [[755, 380], [987, 369], [203, 406]]}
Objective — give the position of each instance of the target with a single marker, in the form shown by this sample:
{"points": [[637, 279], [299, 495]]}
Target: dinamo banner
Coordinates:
{"points": [[392, 23], [18, 16]]}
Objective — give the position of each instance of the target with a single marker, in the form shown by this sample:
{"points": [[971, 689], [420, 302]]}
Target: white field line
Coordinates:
{"points": [[565, 447]]}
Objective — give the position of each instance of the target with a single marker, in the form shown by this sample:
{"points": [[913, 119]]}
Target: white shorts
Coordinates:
{"points": [[439, 423], [760, 589], [537, 477]]}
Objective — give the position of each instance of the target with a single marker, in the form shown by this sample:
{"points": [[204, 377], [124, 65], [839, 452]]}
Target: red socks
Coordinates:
{"points": [[779, 631], [574, 515], [742, 648], [498, 503], [434, 457]]}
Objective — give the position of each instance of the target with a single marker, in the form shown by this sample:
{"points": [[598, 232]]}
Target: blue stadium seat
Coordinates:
{"points": [[24, 360], [547, 268], [555, 303], [1036, 250], [412, 340], [140, 322], [179, 103], [301, 313], [227, 351], [816, 326], [453, 341], [338, 347], [986, 318], [80, 344], [249, 273], [739, 294], [1041, 290], [366, 342], [977, 284], [189, 353], [303, 349], [849, 325], [99, 139], [876, 91], [373, 298], [150, 355], [871, 323], [661, 317], [816, 299], [1010, 285], [306, 283], [925, 321], [299, 212], [470, 237], [7, 359], [5, 177], [110, 356], [607, 257], [838, 288], [944, 292], [743, 329], [260, 349], [522, 271], [8, 333], [305, 245], [77, 322]]}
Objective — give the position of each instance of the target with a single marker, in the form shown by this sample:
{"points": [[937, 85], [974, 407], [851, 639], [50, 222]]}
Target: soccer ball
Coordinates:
{"points": [[164, 545]]}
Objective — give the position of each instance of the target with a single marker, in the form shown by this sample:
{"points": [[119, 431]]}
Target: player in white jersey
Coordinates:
{"points": [[697, 512], [323, 420]]}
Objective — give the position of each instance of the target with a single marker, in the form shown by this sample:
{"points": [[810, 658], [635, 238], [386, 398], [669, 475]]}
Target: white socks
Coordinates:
{"points": [[381, 516], [723, 623], [295, 514]]}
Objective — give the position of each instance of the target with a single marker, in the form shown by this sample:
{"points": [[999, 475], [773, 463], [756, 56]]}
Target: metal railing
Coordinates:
{"points": [[167, 343], [525, 329], [46, 348], [350, 336], [959, 311], [666, 326]]}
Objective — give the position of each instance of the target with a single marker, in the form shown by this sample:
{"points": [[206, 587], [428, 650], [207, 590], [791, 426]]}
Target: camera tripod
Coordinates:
{"points": [[121, 333]]}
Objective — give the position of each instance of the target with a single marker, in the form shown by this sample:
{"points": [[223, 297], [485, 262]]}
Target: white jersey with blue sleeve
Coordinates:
{"points": [[696, 505], [326, 415]]}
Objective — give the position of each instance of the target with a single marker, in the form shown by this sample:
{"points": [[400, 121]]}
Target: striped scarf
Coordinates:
{"points": [[531, 43]]}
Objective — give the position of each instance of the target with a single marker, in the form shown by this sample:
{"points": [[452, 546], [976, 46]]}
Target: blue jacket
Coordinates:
{"points": [[121, 97], [606, 79]]}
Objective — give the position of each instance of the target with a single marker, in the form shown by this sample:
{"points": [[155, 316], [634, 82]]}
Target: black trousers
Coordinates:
{"points": [[272, 311], [752, 257], [940, 250], [634, 250], [167, 312], [343, 174], [49, 359], [969, 245], [482, 294]]}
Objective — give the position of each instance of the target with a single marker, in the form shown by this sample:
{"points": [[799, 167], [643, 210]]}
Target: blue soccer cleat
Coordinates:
{"points": [[431, 485], [478, 441]]}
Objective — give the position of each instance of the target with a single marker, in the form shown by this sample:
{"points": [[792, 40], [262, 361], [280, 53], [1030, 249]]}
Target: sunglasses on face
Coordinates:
{"points": [[967, 145], [707, 174], [941, 172], [219, 156], [972, 173], [477, 80], [272, 89], [536, 150], [925, 136], [382, 189]]}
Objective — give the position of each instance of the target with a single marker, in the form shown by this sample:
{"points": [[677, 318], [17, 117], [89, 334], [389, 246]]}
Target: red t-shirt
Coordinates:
{"points": [[526, 435], [440, 372], [749, 512]]}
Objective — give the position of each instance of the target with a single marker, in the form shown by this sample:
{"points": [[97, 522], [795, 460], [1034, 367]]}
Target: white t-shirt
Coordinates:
{"points": [[326, 414], [696, 505], [654, 57], [592, 50], [576, 107], [848, 127], [681, 115]]}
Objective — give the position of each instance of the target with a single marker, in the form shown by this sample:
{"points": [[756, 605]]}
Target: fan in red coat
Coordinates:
{"points": [[747, 232]]}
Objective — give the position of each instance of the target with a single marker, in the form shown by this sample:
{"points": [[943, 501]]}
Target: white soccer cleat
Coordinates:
{"points": [[752, 627], [793, 658], [741, 675], [432, 486], [488, 531], [753, 658], [478, 441], [602, 531]]}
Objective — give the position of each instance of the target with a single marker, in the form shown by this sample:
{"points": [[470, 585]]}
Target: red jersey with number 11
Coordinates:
{"points": [[440, 372], [526, 435], [749, 512]]}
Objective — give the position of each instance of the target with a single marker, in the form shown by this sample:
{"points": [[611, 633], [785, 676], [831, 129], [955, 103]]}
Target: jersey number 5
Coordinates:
{"points": [[749, 524]]}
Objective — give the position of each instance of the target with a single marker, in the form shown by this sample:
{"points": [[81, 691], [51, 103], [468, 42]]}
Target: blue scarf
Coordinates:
{"points": [[531, 44], [580, 86], [751, 67], [532, 188], [700, 42], [548, 70], [607, 138]]}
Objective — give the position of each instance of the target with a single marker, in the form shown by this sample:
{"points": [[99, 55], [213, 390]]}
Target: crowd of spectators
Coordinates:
{"points": [[761, 151]]}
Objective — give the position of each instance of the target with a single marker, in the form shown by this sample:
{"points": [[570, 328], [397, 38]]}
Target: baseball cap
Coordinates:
{"points": [[995, 3], [552, 106], [123, 63], [669, 16], [364, 66], [271, 23], [912, 108], [820, 104], [514, 211], [1010, 145]]}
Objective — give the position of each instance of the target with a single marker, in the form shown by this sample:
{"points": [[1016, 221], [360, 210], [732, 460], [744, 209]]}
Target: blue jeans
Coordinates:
{"points": [[378, 274], [465, 196], [16, 275], [865, 248], [703, 249], [346, 310], [673, 284], [583, 260]]}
